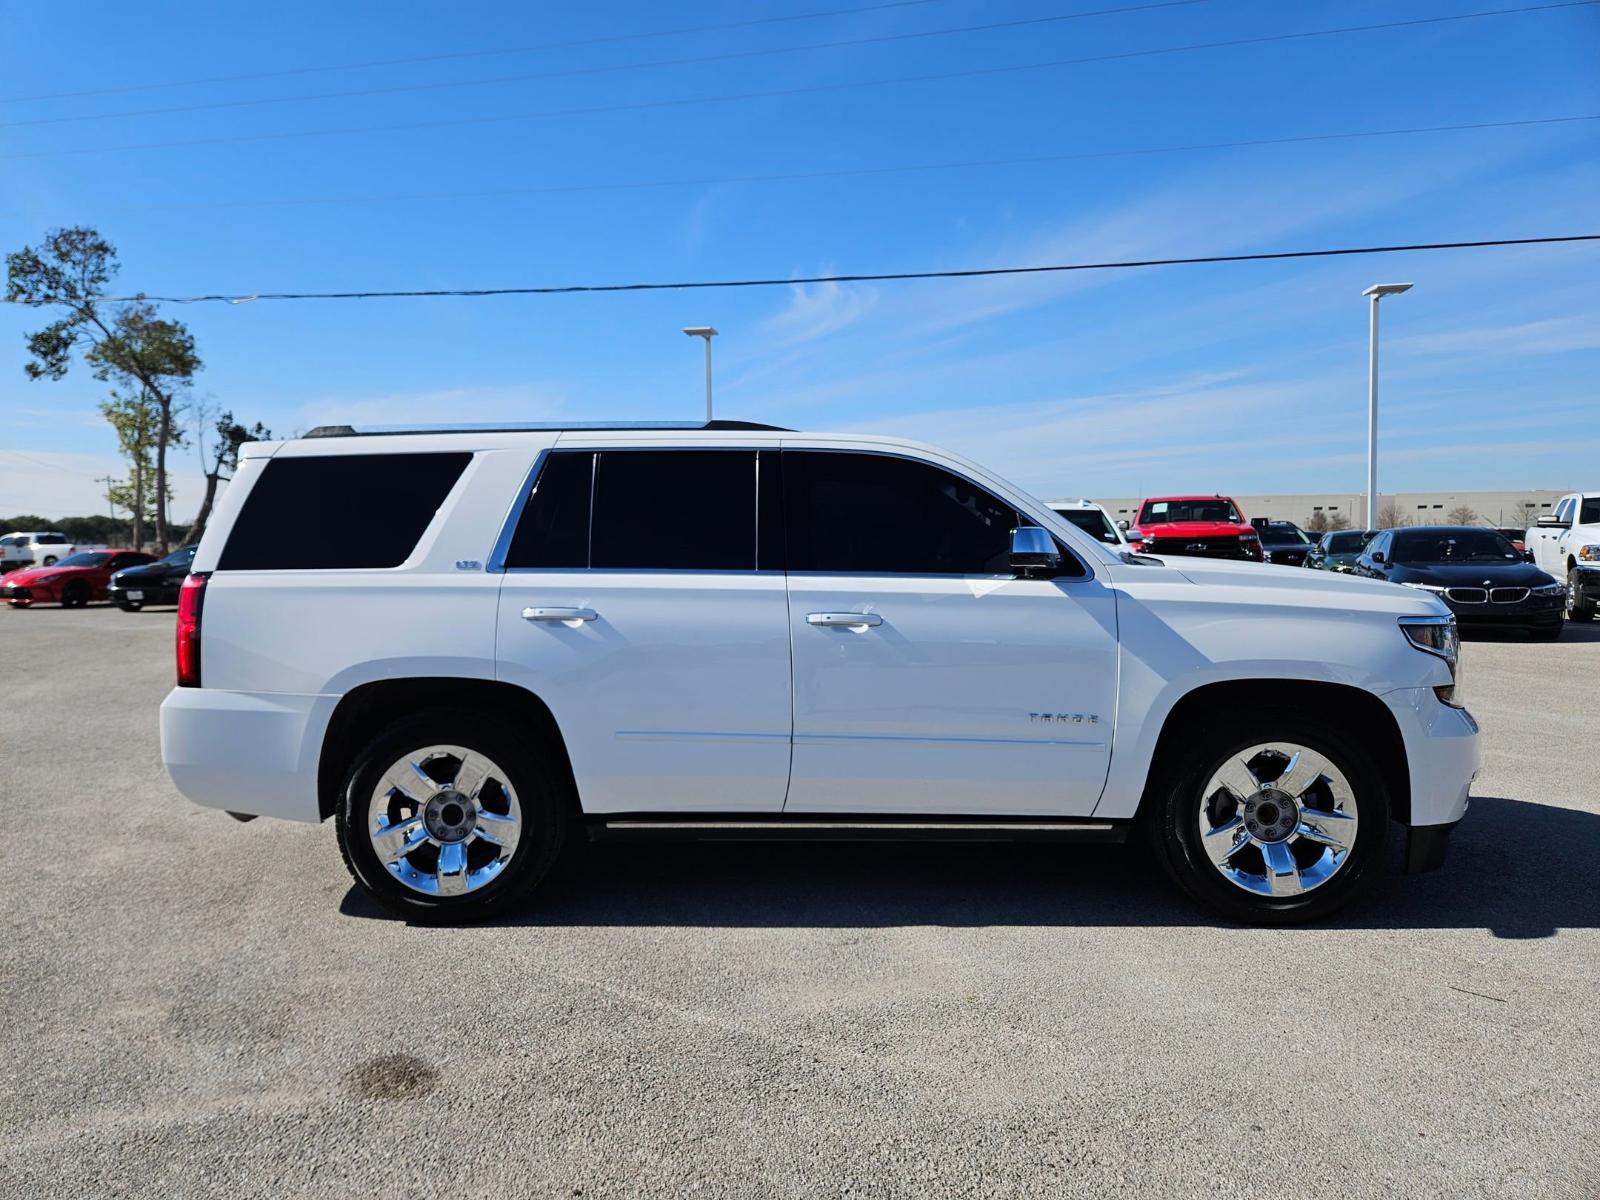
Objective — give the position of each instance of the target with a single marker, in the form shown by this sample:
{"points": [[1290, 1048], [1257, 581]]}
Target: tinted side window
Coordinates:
{"points": [[874, 514], [686, 510], [340, 510], [553, 530]]}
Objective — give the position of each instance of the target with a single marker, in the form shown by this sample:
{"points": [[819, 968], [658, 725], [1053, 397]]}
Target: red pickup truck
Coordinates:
{"points": [[1209, 526]]}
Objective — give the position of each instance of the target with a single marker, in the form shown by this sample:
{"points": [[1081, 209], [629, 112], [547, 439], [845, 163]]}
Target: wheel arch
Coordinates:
{"points": [[362, 713], [1360, 711]]}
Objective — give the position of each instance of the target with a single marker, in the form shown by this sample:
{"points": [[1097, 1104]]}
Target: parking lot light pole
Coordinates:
{"points": [[705, 331], [1377, 291]]}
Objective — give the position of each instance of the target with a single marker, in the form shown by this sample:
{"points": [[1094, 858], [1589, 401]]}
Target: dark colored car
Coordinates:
{"points": [[152, 583], [74, 581], [1339, 550], [1475, 571], [1283, 542]]}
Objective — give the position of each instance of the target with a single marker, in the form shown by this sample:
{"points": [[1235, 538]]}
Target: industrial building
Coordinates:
{"points": [[1519, 508]]}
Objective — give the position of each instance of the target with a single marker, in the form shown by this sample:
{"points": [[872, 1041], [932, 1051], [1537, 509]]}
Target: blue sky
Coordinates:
{"points": [[1238, 378]]}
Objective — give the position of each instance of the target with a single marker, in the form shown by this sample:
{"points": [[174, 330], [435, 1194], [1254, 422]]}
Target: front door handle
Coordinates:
{"points": [[848, 619], [559, 614]]}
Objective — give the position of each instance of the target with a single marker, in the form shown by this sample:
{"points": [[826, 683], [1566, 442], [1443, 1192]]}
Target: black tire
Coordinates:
{"points": [[1173, 805], [1579, 606], [130, 605], [50, 561], [75, 594], [1546, 633], [535, 774]]}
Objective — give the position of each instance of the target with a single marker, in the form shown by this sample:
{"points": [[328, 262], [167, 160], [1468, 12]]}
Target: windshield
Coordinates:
{"points": [[180, 558], [1283, 533], [1093, 522], [89, 559], [1590, 513], [1454, 546], [1350, 542], [1159, 512]]}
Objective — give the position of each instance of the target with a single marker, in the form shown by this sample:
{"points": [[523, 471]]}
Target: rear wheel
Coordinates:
{"points": [[452, 817], [50, 560], [1579, 606], [75, 594], [1273, 819]]}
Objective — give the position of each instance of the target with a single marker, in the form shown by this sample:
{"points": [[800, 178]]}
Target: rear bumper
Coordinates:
{"points": [[117, 593], [246, 752]]}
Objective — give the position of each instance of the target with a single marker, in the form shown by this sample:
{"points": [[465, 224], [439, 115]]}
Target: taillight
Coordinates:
{"points": [[190, 598]]}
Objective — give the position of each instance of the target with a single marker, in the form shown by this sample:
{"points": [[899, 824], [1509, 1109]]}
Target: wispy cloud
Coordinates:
{"points": [[1554, 335]]}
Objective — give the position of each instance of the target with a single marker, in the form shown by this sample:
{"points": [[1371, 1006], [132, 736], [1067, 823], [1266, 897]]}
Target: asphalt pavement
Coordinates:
{"points": [[190, 1006]]}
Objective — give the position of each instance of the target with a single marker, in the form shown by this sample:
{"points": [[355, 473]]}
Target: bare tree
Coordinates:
{"points": [[1461, 514], [1390, 516], [223, 460]]}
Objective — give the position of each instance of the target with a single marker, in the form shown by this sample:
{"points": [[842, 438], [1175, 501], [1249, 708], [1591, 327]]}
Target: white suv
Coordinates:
{"points": [[734, 631]]}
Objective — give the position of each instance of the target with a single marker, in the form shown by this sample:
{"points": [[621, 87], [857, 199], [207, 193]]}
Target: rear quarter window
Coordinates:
{"points": [[339, 511]]}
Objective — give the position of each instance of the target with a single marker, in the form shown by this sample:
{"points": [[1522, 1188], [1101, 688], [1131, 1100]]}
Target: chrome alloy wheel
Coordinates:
{"points": [[444, 820], [1278, 820]]}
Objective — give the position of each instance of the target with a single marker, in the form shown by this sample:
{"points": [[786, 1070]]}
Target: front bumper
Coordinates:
{"points": [[1443, 756], [1587, 581], [1535, 610], [1426, 846], [12, 592]]}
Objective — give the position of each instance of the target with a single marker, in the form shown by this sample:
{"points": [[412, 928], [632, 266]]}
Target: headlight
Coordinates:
{"points": [[1438, 636], [1425, 587], [1589, 553], [44, 579], [1550, 589]]}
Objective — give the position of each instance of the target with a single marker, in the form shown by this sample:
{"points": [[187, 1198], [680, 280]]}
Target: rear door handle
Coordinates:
{"points": [[559, 614], [848, 619]]}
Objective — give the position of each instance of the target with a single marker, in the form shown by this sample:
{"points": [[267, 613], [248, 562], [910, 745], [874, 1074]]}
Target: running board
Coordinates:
{"points": [[822, 828]]}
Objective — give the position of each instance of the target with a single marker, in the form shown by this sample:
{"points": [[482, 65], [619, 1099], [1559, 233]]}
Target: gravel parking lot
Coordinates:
{"points": [[191, 1006]]}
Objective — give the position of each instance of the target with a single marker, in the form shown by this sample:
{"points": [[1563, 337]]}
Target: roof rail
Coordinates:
{"points": [[329, 431]]}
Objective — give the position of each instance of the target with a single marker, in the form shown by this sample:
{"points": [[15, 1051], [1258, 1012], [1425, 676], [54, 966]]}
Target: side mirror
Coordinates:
{"points": [[1377, 556], [1123, 525], [1527, 556], [1033, 551], [1550, 521]]}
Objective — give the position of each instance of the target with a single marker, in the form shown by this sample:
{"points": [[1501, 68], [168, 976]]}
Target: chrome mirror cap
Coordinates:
{"points": [[1033, 550]]}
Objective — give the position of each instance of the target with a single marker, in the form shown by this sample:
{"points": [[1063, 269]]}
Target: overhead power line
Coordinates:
{"points": [[609, 69], [813, 89], [851, 172], [451, 56], [877, 277]]}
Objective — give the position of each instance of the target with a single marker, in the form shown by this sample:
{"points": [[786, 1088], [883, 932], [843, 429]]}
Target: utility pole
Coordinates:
{"points": [[706, 332], [1377, 291], [111, 505]]}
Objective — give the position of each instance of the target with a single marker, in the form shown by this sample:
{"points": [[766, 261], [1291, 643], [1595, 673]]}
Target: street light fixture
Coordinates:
{"points": [[1377, 291], [705, 331]]}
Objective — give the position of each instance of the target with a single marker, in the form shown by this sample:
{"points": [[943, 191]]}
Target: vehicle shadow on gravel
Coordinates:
{"points": [[1575, 631], [1517, 869]]}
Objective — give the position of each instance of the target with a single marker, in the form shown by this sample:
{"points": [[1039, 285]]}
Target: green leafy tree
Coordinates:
{"points": [[137, 419], [127, 343]]}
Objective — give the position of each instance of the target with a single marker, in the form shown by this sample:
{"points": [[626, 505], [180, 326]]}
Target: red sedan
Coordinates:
{"points": [[73, 582]]}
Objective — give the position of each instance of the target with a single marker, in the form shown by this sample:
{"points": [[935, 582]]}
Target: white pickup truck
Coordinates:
{"points": [[1566, 543], [28, 549]]}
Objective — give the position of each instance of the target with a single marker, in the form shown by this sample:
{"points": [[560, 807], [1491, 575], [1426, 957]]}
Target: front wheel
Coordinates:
{"points": [[1272, 819], [452, 817], [1579, 606], [75, 595]]}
